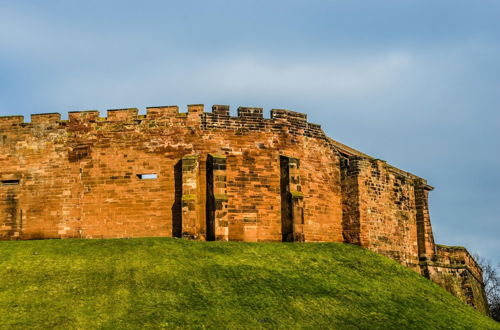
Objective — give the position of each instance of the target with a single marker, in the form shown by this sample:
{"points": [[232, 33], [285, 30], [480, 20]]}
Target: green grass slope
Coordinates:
{"points": [[155, 283]]}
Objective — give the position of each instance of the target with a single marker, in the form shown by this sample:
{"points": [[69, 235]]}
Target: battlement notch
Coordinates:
{"points": [[168, 111], [221, 110], [86, 115], [250, 112], [127, 114]]}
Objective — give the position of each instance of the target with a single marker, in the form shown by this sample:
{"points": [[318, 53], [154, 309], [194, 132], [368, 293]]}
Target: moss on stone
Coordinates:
{"points": [[219, 156], [189, 197], [221, 197], [451, 247], [119, 126]]}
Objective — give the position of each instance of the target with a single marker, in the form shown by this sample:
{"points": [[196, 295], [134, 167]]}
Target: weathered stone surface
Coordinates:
{"points": [[212, 176], [454, 269]]}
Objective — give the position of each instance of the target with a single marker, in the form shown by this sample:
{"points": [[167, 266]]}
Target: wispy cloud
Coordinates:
{"points": [[237, 76]]}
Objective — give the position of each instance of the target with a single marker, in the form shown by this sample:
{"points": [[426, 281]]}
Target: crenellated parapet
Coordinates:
{"points": [[123, 114], [163, 112], [83, 116], [248, 119], [252, 119]]}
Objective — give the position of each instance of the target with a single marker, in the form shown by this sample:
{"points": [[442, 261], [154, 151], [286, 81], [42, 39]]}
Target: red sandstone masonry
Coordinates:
{"points": [[45, 118], [122, 114], [11, 120], [214, 177], [454, 269]]}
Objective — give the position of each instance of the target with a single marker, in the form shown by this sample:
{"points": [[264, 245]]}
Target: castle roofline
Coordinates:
{"points": [[296, 121]]}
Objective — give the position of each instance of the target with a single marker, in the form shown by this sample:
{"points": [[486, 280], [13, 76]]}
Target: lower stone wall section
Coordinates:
{"points": [[456, 271]]}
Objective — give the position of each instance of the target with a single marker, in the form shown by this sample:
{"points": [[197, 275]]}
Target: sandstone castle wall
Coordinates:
{"points": [[207, 175]]}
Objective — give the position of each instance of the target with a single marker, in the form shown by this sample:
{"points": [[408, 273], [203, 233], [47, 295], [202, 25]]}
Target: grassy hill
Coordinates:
{"points": [[155, 282]]}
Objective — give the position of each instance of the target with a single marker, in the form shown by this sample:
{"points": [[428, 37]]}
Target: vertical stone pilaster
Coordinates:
{"points": [[349, 175], [425, 237], [292, 208], [12, 218], [189, 196], [217, 217], [10, 211]]}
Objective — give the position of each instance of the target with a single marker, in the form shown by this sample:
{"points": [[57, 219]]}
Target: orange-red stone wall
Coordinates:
{"points": [[381, 214], [79, 178]]}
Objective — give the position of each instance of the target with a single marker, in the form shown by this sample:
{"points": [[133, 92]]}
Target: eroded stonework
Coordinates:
{"points": [[212, 176]]}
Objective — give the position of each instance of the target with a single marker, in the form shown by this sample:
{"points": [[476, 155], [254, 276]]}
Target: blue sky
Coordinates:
{"points": [[416, 83]]}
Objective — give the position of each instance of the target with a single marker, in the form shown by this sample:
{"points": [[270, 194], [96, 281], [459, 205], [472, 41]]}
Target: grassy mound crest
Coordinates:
{"points": [[163, 282]]}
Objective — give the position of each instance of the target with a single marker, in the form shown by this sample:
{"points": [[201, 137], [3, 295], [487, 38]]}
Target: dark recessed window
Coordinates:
{"points": [[148, 176], [10, 182]]}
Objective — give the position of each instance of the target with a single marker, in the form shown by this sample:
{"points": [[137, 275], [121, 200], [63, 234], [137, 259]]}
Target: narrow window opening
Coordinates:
{"points": [[147, 176], [10, 182]]}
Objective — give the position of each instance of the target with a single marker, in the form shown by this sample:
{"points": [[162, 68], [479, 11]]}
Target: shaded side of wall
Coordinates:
{"points": [[455, 270]]}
